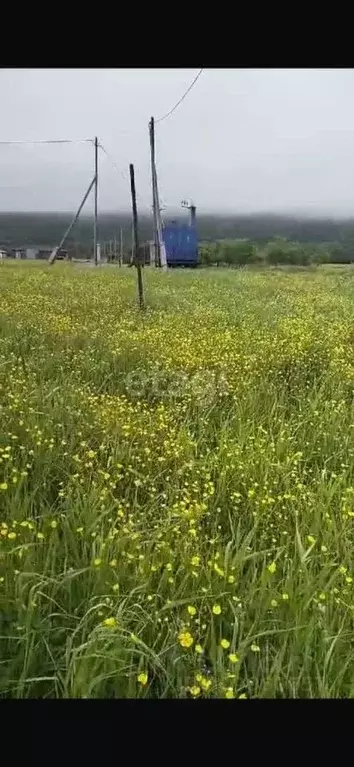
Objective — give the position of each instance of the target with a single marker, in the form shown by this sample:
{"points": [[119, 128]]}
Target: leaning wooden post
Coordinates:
{"points": [[54, 252], [95, 254], [136, 252]]}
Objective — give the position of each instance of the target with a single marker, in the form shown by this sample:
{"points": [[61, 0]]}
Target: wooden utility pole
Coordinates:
{"points": [[162, 248], [132, 251], [136, 256], [153, 184], [159, 245], [121, 248], [95, 233]]}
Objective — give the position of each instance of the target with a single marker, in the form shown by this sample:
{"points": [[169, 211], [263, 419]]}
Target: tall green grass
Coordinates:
{"points": [[176, 487]]}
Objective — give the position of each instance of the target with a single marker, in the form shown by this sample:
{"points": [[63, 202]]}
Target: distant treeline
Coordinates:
{"points": [[275, 253], [46, 229]]}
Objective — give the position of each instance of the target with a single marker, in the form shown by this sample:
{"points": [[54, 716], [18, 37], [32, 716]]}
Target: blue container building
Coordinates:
{"points": [[181, 245]]}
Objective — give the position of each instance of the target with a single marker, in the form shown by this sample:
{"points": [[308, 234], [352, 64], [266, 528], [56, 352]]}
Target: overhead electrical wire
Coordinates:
{"points": [[51, 141], [168, 114], [122, 173], [181, 99], [119, 170]]}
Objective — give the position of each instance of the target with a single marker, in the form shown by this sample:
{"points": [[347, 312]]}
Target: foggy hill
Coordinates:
{"points": [[18, 229]]}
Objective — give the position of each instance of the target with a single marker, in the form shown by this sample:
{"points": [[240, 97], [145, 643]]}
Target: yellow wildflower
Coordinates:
{"points": [[205, 683], [185, 639], [255, 648], [195, 691], [110, 622], [229, 693]]}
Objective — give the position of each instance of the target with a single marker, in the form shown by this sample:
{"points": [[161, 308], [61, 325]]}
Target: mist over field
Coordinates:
{"points": [[18, 229]]}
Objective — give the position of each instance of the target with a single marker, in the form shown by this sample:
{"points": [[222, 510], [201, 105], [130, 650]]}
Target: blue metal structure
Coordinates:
{"points": [[181, 245]]}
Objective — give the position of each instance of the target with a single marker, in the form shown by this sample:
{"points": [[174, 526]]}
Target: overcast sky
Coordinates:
{"points": [[243, 140]]}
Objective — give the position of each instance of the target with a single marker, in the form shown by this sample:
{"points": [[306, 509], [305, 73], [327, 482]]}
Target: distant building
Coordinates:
{"points": [[23, 252], [3, 254], [40, 251], [31, 253], [44, 253]]}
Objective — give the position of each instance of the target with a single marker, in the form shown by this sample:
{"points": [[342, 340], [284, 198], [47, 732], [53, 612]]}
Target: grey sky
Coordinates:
{"points": [[243, 140]]}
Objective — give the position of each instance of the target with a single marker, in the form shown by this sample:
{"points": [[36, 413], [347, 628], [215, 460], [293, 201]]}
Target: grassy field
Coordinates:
{"points": [[177, 486]]}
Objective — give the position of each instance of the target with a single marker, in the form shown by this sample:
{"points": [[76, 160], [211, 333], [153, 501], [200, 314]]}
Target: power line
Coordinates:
{"points": [[122, 173], [50, 141], [181, 99], [119, 170]]}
